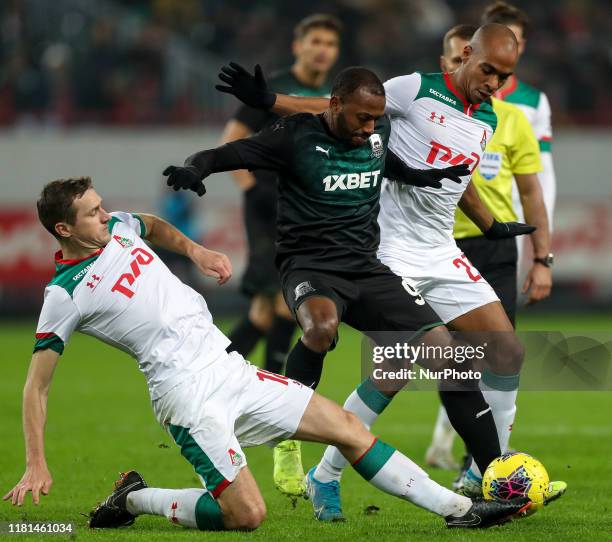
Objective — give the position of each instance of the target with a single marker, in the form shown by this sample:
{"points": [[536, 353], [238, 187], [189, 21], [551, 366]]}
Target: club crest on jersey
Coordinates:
{"points": [[483, 141], [377, 146], [123, 241], [235, 458], [303, 288]]}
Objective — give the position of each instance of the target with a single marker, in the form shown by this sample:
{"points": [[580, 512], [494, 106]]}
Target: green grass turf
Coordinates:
{"points": [[100, 423]]}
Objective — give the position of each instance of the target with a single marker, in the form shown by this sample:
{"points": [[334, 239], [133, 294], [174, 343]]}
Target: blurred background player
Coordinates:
{"points": [[534, 104], [512, 153], [315, 47]]}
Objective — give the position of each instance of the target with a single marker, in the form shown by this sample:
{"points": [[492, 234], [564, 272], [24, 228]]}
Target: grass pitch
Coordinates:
{"points": [[100, 422]]}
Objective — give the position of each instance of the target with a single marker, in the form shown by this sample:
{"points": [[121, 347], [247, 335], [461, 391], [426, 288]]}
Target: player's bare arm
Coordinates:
{"points": [[165, 235], [538, 282], [37, 478], [471, 204], [253, 91], [233, 131]]}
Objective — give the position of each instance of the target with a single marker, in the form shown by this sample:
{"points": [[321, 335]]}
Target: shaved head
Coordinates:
{"points": [[487, 62], [494, 37]]}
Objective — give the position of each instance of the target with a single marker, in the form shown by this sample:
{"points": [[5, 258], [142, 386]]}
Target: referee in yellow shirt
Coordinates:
{"points": [[512, 153]]}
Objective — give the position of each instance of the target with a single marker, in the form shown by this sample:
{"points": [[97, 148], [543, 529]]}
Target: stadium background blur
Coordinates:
{"points": [[119, 89]]}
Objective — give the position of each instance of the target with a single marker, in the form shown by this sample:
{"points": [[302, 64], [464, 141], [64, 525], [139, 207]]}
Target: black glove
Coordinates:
{"points": [[250, 89], [504, 230], [433, 177], [188, 178]]}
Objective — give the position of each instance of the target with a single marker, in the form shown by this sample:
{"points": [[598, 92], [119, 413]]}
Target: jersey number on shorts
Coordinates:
{"points": [[142, 258], [467, 265], [407, 284], [262, 374]]}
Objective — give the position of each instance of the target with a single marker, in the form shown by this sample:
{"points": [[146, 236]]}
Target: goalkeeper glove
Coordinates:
{"points": [[250, 89]]}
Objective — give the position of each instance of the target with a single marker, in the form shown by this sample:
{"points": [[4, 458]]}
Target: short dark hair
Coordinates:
{"points": [[350, 79], [55, 202], [504, 13], [462, 31], [317, 20]]}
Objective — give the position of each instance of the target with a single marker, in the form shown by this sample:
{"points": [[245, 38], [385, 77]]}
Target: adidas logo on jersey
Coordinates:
{"points": [[442, 96], [350, 181]]}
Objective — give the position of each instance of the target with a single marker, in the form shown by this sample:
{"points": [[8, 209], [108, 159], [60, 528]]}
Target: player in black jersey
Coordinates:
{"points": [[330, 171], [315, 47]]}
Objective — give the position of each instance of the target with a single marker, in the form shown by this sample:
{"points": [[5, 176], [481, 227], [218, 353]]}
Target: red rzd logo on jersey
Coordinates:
{"points": [[445, 154], [142, 258]]}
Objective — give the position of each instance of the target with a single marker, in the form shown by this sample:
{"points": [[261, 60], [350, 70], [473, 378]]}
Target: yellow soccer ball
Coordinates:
{"points": [[516, 475]]}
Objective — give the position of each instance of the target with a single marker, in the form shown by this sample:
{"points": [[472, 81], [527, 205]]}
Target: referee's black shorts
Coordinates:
{"points": [[496, 261]]}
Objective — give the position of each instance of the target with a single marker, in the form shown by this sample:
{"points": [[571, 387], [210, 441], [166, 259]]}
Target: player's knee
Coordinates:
{"points": [[354, 430], [250, 516], [320, 335], [508, 357]]}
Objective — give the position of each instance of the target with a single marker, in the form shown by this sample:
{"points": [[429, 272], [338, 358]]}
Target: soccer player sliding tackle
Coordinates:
{"points": [[436, 119], [329, 186], [110, 284]]}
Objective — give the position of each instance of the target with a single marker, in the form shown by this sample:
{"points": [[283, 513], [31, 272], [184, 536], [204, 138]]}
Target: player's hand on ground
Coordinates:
{"points": [[187, 178], [37, 480], [212, 264], [250, 89], [433, 177], [538, 283], [503, 230]]}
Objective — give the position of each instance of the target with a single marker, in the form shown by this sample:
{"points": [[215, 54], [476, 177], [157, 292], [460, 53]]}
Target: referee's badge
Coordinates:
{"points": [[490, 165], [377, 146]]}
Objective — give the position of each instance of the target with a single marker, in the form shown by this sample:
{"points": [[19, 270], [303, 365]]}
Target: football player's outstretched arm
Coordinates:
{"points": [[397, 170], [252, 90], [269, 149], [289, 105], [163, 234], [233, 131], [475, 209], [37, 477]]}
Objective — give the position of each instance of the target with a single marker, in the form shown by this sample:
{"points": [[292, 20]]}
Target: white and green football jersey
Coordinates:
{"points": [[432, 126], [126, 296]]}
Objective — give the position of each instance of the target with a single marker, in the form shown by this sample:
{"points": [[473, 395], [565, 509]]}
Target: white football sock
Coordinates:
{"points": [[394, 473], [367, 403], [500, 392], [178, 505]]}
